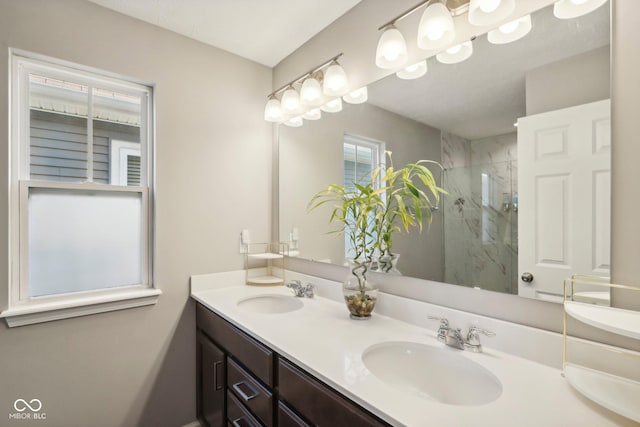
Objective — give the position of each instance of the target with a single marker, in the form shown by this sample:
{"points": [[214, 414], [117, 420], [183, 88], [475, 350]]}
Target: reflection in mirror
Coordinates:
{"points": [[522, 130]]}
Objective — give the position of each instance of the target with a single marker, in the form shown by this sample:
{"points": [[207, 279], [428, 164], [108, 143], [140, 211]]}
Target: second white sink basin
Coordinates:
{"points": [[436, 373], [270, 304]]}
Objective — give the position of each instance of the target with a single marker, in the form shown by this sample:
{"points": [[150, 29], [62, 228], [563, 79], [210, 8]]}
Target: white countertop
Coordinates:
{"points": [[322, 339]]}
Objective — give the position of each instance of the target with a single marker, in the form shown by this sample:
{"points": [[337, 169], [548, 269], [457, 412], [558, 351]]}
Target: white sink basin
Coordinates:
{"points": [[270, 304], [435, 373]]}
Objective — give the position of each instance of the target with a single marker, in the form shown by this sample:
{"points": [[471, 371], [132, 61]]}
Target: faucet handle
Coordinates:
{"points": [[474, 330], [473, 338], [308, 290]]}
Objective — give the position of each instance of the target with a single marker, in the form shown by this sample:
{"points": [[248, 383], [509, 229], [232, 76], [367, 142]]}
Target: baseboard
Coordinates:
{"points": [[193, 424]]}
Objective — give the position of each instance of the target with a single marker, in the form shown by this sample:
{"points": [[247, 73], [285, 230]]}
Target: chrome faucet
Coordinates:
{"points": [[453, 336], [301, 290]]}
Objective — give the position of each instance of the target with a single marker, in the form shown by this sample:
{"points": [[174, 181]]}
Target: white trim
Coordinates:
{"points": [[193, 424], [79, 306]]}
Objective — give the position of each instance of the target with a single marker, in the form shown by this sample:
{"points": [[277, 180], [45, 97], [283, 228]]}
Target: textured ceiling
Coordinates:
{"points": [[260, 30], [484, 95]]}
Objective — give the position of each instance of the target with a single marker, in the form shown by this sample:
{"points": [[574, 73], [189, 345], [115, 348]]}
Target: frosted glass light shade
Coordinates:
{"points": [[291, 102], [294, 122], [333, 106], [436, 29], [392, 49], [455, 54], [414, 71], [313, 114], [335, 81], [567, 9], [357, 96], [489, 12], [273, 111], [510, 31], [311, 93]]}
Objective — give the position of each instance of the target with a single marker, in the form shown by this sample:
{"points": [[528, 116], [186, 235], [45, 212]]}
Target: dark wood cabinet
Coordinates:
{"points": [[243, 383], [210, 380]]}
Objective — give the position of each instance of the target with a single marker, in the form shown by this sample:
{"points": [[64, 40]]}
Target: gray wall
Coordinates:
{"points": [[311, 157], [353, 34], [573, 81], [136, 367]]}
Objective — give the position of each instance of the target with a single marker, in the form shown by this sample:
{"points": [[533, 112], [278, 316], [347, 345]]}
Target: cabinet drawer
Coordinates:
{"points": [[237, 415], [288, 418], [249, 391], [255, 356], [317, 402]]}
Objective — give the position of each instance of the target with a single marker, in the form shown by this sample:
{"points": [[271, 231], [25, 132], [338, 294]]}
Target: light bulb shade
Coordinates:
{"points": [[414, 71], [291, 102], [510, 31], [455, 54], [273, 111], [294, 122], [567, 9], [333, 106], [392, 49], [489, 12], [313, 114], [311, 93], [357, 96], [436, 28], [335, 81]]}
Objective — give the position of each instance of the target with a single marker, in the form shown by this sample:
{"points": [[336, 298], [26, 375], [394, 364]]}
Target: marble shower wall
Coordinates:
{"points": [[480, 223]]}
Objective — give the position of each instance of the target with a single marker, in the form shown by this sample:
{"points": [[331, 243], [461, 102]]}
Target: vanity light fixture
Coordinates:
{"points": [[313, 114], [511, 31], [311, 92], [489, 12], [436, 29], [455, 54], [413, 71], [273, 110], [567, 9], [392, 49], [333, 106], [357, 96], [311, 96], [335, 80]]}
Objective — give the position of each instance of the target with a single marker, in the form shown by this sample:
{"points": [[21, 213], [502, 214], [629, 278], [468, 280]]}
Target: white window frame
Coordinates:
{"points": [[23, 309], [379, 149]]}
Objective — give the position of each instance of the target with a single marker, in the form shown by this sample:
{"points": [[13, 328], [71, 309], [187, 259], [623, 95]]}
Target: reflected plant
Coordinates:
{"points": [[369, 214]]}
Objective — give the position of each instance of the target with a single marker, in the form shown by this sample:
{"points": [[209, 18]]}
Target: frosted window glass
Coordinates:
{"points": [[83, 241]]}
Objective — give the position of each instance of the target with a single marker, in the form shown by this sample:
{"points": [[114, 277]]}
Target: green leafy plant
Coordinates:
{"points": [[391, 201]]}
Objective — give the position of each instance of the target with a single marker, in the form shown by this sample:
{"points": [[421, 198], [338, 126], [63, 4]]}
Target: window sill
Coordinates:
{"points": [[79, 306]]}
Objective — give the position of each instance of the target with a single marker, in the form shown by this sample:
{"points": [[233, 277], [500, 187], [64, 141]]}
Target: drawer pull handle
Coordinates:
{"points": [[241, 422], [245, 396]]}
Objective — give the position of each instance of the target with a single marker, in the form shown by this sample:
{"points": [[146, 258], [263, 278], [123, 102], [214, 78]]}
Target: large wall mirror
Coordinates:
{"points": [[522, 131]]}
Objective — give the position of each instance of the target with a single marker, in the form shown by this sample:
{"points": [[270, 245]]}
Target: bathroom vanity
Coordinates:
{"points": [[268, 358]]}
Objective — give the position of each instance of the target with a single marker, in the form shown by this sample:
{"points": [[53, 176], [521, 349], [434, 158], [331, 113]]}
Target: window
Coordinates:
{"points": [[361, 156], [81, 193]]}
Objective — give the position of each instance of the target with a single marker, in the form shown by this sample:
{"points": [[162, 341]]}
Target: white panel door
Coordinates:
{"points": [[564, 189]]}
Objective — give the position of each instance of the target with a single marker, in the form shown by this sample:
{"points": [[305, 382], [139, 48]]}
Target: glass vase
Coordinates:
{"points": [[359, 293]]}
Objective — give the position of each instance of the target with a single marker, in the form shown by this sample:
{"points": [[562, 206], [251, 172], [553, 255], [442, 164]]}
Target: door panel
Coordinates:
{"points": [[564, 179]]}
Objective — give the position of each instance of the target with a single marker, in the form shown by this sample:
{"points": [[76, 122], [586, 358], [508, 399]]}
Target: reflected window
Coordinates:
{"points": [[361, 156]]}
